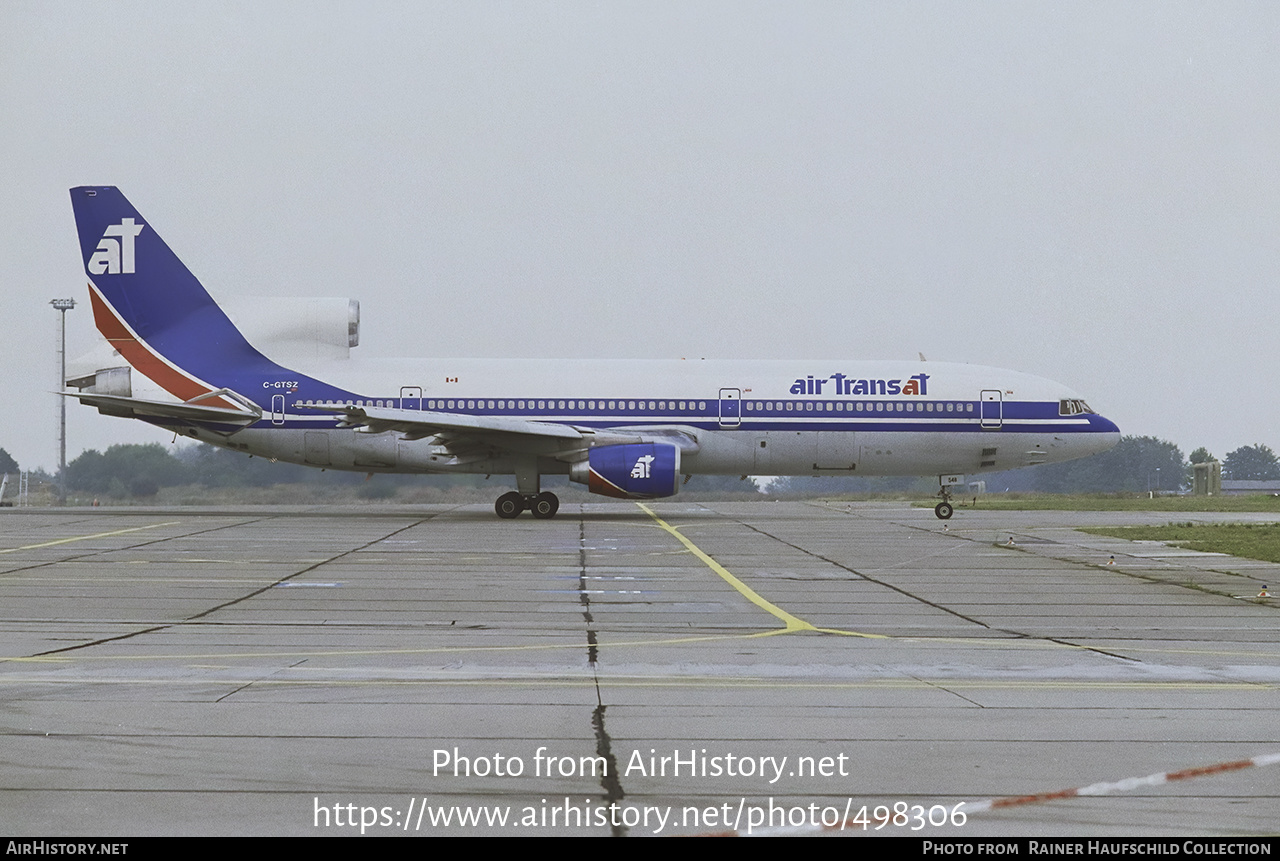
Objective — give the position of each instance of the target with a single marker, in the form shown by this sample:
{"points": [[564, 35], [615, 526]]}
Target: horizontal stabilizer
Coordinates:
{"points": [[190, 411]]}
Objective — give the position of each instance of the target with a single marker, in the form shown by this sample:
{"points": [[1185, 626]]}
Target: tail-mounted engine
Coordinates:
{"points": [[648, 470]]}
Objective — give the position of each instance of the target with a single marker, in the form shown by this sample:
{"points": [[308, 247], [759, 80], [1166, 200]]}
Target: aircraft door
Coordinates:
{"points": [[991, 407], [277, 409], [411, 397], [730, 408]]}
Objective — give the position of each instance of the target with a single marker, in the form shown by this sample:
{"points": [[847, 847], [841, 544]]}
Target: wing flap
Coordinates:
{"points": [[416, 424]]}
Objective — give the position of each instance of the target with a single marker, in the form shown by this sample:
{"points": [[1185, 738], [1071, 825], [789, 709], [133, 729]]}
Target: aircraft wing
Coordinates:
{"points": [[416, 424], [463, 432]]}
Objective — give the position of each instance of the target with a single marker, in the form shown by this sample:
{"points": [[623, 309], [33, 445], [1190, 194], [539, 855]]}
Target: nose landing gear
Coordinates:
{"points": [[945, 509]]}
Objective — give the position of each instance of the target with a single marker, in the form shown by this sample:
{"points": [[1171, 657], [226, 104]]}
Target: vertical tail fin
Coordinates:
{"points": [[152, 309]]}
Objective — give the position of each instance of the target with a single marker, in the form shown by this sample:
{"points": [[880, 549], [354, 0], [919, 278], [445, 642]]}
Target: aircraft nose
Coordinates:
{"points": [[1105, 434], [1105, 425]]}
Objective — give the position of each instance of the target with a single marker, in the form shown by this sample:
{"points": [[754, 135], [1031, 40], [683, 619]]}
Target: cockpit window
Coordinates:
{"points": [[1072, 407]]}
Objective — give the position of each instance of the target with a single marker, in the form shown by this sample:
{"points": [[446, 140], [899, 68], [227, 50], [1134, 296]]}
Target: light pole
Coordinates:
{"points": [[63, 306]]}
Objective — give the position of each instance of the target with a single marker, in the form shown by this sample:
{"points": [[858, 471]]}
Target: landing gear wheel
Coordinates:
{"points": [[943, 510], [545, 505], [509, 505]]}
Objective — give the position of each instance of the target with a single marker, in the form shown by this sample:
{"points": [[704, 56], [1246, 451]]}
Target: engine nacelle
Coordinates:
{"points": [[647, 470], [298, 328]]}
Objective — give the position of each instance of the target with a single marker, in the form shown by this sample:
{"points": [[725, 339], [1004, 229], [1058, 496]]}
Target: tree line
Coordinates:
{"points": [[1136, 464]]}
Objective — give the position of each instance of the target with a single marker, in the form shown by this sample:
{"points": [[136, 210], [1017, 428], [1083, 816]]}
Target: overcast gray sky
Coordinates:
{"points": [[1083, 191]]}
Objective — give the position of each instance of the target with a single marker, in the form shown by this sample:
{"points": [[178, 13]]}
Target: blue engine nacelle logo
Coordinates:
{"points": [[649, 470]]}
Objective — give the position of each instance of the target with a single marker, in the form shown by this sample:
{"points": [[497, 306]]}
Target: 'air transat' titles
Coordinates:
{"points": [[842, 385]]}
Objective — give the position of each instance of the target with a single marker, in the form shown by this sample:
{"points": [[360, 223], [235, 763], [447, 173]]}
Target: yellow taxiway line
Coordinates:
{"points": [[87, 537], [792, 623]]}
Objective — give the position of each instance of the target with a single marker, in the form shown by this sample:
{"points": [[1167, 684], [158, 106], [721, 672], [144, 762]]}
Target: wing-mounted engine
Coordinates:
{"points": [[649, 470]]}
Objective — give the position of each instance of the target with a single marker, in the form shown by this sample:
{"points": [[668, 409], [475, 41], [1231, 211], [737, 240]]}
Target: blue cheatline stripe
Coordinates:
{"points": [[631, 407], [711, 423], [293, 422], [1030, 415]]}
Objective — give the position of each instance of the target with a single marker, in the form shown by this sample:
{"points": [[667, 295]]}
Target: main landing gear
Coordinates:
{"points": [[543, 505], [528, 494]]}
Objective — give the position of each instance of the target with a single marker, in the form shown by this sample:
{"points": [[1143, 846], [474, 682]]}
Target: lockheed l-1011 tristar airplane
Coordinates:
{"points": [[277, 381]]}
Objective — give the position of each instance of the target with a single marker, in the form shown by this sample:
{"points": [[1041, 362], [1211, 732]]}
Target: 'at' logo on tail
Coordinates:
{"points": [[115, 256]]}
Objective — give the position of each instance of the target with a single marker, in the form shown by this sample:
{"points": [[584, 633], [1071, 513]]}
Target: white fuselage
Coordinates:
{"points": [[806, 417]]}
